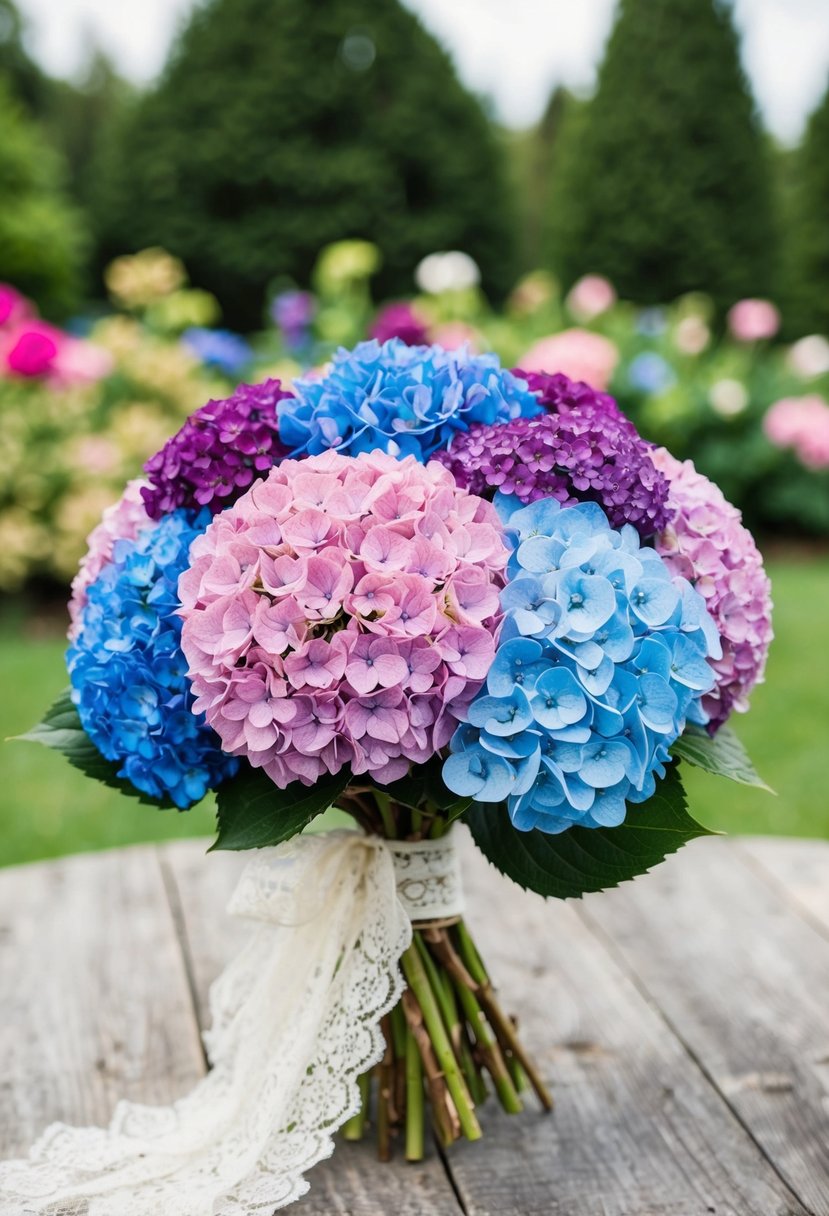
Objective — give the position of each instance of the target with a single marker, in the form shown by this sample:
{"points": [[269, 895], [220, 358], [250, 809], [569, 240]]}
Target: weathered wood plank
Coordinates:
{"points": [[799, 867], [95, 1003], [745, 984], [637, 1128], [353, 1182]]}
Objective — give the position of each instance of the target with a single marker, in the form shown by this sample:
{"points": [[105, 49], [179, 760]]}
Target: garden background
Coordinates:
{"points": [[300, 176]]}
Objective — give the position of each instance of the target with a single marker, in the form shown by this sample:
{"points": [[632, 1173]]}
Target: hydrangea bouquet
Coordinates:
{"points": [[421, 588]]}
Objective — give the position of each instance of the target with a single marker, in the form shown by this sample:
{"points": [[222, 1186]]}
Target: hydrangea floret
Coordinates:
{"points": [[221, 449], [401, 400], [582, 448], [602, 658], [343, 612], [708, 544], [129, 676], [122, 521]]}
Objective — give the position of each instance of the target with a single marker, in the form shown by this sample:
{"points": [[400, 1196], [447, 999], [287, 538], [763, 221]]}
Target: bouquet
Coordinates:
{"points": [[425, 590]]}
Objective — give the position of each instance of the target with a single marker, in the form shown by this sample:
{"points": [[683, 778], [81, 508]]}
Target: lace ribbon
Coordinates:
{"points": [[295, 1022]]}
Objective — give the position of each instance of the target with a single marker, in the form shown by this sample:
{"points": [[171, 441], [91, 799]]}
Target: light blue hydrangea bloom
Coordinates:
{"points": [[602, 659], [403, 400], [129, 675]]}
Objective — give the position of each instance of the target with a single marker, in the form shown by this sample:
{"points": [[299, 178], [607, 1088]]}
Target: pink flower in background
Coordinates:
{"points": [[122, 521], [577, 353], [753, 320], [452, 335], [343, 611], [35, 350], [590, 296], [78, 362], [707, 544], [13, 306], [801, 423], [31, 349], [399, 320]]}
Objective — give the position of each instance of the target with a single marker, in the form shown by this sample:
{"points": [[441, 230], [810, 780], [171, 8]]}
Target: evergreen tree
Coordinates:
{"points": [[42, 236], [280, 125], [664, 185], [808, 263]]}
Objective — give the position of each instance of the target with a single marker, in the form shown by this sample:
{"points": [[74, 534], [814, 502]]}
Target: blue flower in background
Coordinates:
{"points": [[218, 348], [650, 373], [602, 659], [403, 400], [129, 674]]}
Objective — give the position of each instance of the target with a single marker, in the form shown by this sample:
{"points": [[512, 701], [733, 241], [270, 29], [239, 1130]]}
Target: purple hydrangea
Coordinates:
{"points": [[221, 449], [583, 449]]}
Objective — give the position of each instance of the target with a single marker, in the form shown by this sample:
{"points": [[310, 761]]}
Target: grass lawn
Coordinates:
{"points": [[47, 808]]}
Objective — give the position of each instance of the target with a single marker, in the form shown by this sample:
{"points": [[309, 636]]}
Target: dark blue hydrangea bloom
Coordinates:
{"points": [[403, 400], [602, 659], [129, 674]]}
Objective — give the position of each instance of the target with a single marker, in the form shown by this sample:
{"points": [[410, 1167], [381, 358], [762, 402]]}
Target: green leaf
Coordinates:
{"points": [[587, 859], [254, 813], [61, 730], [723, 755], [422, 784]]}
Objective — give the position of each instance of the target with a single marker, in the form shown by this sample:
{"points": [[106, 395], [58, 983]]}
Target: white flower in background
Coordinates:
{"points": [[728, 398], [810, 356], [451, 271], [692, 335]]}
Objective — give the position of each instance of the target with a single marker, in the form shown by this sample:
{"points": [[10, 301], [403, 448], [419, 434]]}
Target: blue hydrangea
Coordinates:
{"points": [[403, 400], [602, 659], [219, 348], [129, 675]]}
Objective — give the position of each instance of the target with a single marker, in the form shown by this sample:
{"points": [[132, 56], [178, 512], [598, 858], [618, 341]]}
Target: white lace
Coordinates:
{"points": [[295, 1021]]}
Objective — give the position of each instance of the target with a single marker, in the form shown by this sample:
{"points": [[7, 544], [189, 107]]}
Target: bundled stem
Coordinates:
{"points": [[447, 1035]]}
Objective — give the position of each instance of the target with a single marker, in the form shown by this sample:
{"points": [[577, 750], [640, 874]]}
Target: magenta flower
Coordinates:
{"points": [[221, 449], [399, 319], [343, 611], [707, 544]]}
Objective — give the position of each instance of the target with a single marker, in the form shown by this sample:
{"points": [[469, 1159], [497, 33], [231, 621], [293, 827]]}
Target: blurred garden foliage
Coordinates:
{"points": [[663, 182], [43, 242], [277, 128], [808, 286]]}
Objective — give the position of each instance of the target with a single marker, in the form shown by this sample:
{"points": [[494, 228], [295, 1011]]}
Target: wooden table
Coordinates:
{"points": [[682, 1019]]}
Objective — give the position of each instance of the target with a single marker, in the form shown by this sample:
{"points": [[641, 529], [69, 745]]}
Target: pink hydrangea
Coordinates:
{"points": [[590, 296], [753, 320], [578, 353], [122, 521], [343, 612], [801, 423], [707, 544]]}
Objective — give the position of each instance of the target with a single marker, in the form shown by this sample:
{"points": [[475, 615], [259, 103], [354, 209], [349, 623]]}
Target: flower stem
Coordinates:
{"points": [[443, 1109], [414, 1100], [355, 1128], [418, 981]]}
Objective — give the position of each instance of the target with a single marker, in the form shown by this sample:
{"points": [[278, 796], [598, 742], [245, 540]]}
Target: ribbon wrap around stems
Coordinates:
{"points": [[295, 1022]]}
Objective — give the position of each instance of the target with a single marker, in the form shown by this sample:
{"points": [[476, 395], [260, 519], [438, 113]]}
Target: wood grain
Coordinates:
{"points": [[353, 1182], [744, 982], [637, 1129], [95, 1002], [799, 868]]}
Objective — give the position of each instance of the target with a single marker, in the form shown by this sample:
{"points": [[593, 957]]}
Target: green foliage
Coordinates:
{"points": [[274, 132], [42, 237], [253, 813], [60, 729], [664, 185], [723, 754], [809, 228], [581, 860]]}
